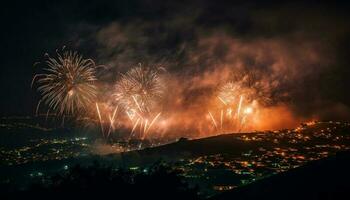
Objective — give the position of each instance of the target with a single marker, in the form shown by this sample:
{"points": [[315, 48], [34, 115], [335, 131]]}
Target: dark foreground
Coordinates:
{"points": [[323, 179]]}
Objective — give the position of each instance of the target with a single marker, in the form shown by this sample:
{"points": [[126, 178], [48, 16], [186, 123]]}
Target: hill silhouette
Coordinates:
{"points": [[227, 143]]}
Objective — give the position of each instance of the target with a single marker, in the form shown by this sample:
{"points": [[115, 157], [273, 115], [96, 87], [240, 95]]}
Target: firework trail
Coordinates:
{"points": [[106, 118], [134, 127], [100, 118], [138, 92], [111, 120], [239, 106], [213, 120], [67, 84], [150, 125], [221, 118]]}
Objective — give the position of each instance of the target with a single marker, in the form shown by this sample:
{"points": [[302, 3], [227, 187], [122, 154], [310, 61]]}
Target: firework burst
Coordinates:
{"points": [[67, 83], [138, 92], [236, 105], [228, 93], [139, 89]]}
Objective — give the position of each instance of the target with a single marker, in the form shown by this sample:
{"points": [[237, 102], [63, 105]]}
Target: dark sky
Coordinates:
{"points": [[122, 33]]}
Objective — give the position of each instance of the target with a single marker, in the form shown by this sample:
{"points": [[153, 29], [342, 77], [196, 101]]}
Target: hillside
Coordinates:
{"points": [[323, 179]]}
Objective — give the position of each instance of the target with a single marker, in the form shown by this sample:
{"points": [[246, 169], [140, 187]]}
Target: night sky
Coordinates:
{"points": [[300, 49]]}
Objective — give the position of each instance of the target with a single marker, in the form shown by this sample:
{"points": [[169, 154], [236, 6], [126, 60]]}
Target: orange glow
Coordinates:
{"points": [[248, 110]]}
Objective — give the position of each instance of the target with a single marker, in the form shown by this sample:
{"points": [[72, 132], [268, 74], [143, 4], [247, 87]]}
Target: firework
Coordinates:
{"points": [[107, 117], [138, 92], [151, 124], [213, 120], [139, 89], [99, 117], [111, 120], [232, 100], [227, 93], [239, 106], [248, 110], [67, 83]]}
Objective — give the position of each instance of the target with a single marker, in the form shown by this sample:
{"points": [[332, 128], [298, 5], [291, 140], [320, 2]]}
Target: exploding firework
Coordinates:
{"points": [[228, 93], [67, 84], [236, 107], [139, 89], [139, 92]]}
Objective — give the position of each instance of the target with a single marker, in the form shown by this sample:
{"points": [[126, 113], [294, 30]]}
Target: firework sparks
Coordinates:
{"points": [[37, 108], [152, 122], [239, 106], [138, 92], [235, 105], [106, 118], [99, 117], [67, 86], [135, 125], [221, 118], [213, 120], [227, 93], [248, 110], [111, 120], [139, 89]]}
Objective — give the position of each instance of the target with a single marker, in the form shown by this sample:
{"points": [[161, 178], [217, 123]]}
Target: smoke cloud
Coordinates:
{"points": [[286, 68]]}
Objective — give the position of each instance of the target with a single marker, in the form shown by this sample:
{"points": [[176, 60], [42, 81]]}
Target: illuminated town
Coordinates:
{"points": [[253, 156]]}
